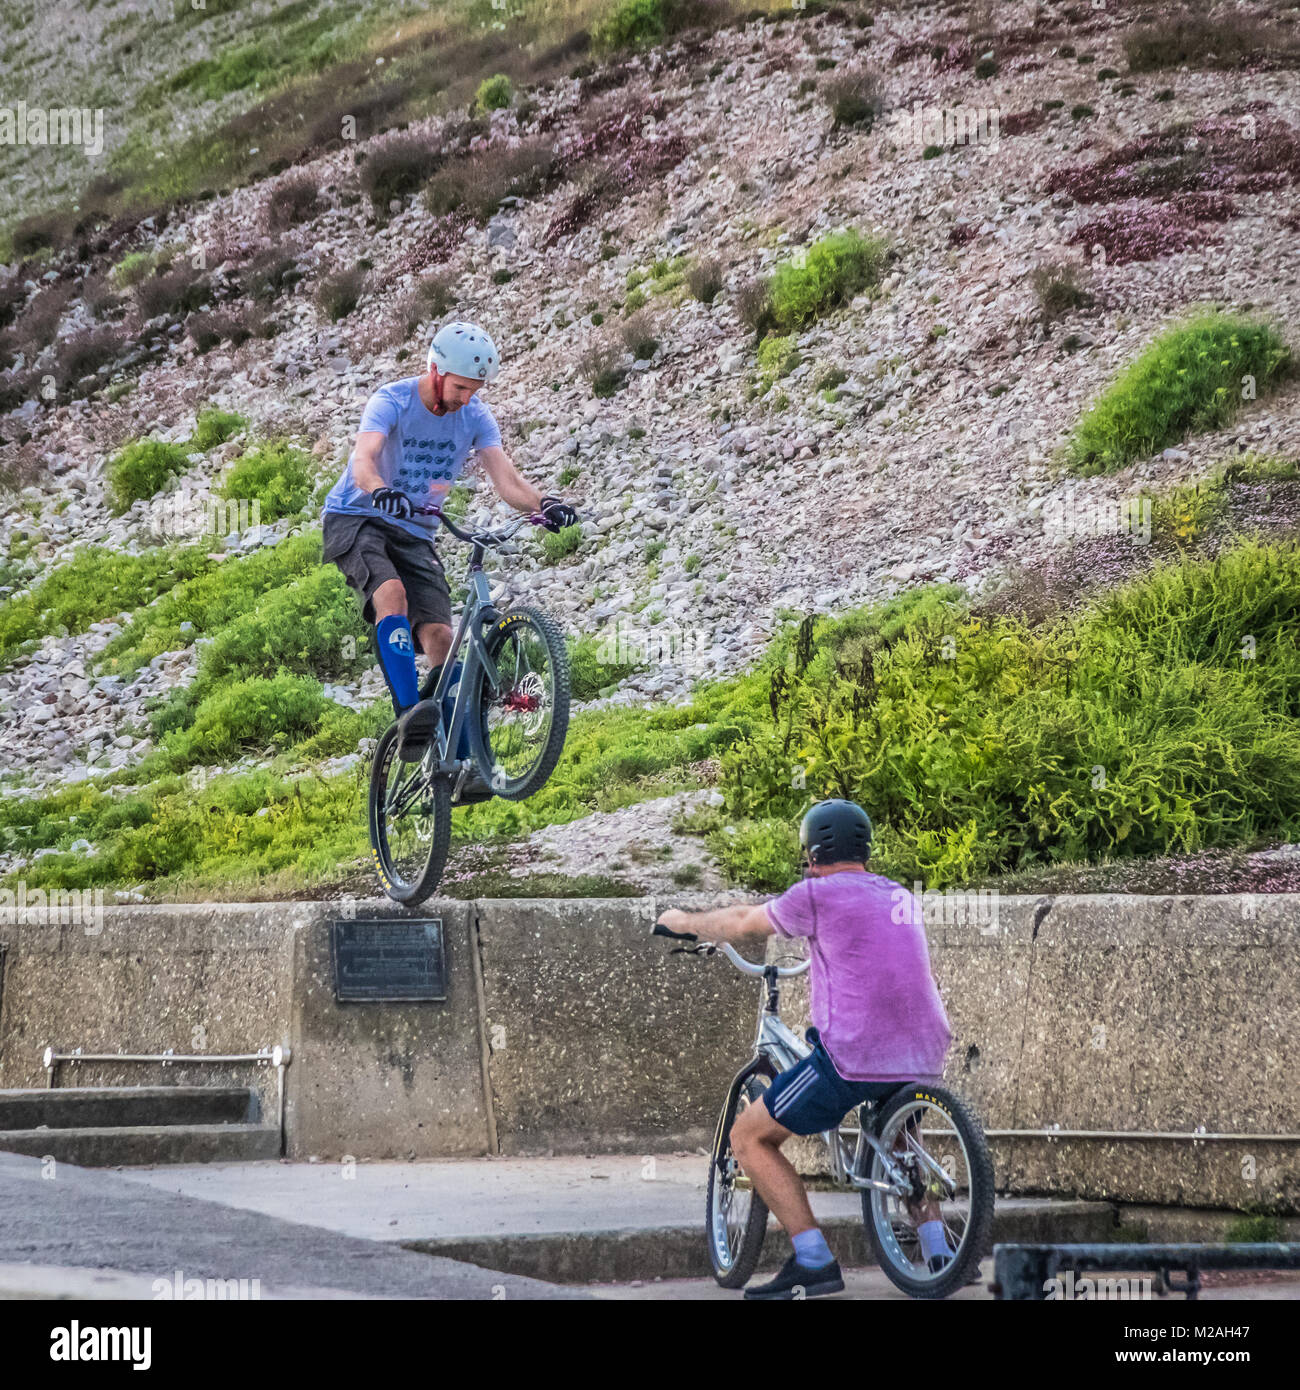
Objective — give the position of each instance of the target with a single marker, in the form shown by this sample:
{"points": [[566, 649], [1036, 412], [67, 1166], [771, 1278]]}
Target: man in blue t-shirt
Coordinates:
{"points": [[414, 438]]}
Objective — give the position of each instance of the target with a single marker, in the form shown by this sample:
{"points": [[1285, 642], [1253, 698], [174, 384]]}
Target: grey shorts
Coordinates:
{"points": [[370, 551]]}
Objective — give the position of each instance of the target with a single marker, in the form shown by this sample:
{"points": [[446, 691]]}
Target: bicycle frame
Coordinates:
{"points": [[479, 612]]}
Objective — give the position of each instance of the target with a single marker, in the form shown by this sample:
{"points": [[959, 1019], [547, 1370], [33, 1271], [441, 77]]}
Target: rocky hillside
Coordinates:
{"points": [[728, 474]]}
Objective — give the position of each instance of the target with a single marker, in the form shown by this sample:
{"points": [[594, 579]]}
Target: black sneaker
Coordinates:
{"points": [[415, 728], [814, 1283]]}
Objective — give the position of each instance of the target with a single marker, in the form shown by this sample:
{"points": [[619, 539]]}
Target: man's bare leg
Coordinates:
{"points": [[434, 640], [389, 600], [756, 1140]]}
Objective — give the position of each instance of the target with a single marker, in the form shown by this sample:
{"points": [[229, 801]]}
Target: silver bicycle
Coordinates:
{"points": [[917, 1155]]}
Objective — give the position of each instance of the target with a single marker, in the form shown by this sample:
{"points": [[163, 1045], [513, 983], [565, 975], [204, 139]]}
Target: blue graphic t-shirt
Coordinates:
{"points": [[423, 453]]}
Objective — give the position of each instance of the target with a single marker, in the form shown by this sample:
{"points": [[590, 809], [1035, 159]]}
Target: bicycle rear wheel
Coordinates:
{"points": [[939, 1146], [737, 1215], [410, 823], [517, 731]]}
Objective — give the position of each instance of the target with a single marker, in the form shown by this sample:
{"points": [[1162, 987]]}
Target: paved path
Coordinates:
{"points": [[84, 1219], [454, 1198], [458, 1197], [323, 1230]]}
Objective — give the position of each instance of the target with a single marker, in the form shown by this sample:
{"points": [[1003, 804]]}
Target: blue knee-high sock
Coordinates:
{"points": [[448, 706], [397, 659]]}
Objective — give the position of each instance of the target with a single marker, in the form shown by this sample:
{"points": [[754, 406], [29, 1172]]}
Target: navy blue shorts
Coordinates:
{"points": [[813, 1097]]}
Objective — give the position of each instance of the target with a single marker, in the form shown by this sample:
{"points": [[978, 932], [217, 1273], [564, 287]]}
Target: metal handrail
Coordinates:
{"points": [[278, 1056]]}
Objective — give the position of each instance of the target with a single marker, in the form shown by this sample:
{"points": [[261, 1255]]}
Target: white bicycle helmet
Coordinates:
{"points": [[464, 349]]}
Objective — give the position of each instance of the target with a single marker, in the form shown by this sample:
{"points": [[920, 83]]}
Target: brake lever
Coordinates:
{"points": [[701, 948]]}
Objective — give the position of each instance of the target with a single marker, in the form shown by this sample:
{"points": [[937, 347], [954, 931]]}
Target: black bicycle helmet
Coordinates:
{"points": [[836, 832]]}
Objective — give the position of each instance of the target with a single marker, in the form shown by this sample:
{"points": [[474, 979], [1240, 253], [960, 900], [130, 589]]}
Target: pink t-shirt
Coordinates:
{"points": [[874, 1000]]}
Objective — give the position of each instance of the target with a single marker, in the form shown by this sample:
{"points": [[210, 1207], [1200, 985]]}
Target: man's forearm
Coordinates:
{"points": [[366, 474], [721, 924], [516, 490]]}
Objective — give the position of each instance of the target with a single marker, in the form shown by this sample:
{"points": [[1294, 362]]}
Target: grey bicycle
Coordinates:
{"points": [[917, 1155], [513, 697]]}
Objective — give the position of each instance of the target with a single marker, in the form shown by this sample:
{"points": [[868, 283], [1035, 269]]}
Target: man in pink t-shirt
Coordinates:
{"points": [[878, 1022]]}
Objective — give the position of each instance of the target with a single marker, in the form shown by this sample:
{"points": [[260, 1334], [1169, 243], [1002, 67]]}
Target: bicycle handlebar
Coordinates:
{"points": [[481, 537], [746, 967]]}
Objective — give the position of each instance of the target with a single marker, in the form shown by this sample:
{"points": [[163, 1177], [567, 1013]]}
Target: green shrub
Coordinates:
{"points": [[251, 714], [855, 97], [777, 357], [141, 470], [132, 268], [705, 280], [760, 853], [558, 544], [632, 22], [638, 337], [600, 365], [836, 267], [95, 584], [494, 93], [1191, 378], [1201, 613], [635, 22], [589, 673], [338, 294], [242, 830], [829, 378], [276, 475], [234, 70], [208, 599], [310, 627], [978, 745], [214, 427]]}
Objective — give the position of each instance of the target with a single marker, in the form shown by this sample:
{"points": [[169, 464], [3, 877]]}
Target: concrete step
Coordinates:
{"points": [[113, 1145], [679, 1251], [73, 1107]]}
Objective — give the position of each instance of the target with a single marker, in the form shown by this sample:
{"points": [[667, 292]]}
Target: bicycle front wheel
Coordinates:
{"points": [[737, 1215], [938, 1147], [410, 823], [517, 728]]}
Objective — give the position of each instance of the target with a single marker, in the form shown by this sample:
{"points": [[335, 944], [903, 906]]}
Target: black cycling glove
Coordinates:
{"points": [[392, 502], [557, 514]]}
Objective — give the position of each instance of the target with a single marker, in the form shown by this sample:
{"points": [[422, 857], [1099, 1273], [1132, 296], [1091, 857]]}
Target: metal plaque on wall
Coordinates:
{"points": [[389, 961]]}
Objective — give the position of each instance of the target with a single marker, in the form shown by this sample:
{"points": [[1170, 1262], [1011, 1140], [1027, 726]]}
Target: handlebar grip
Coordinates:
{"points": [[660, 930]]}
